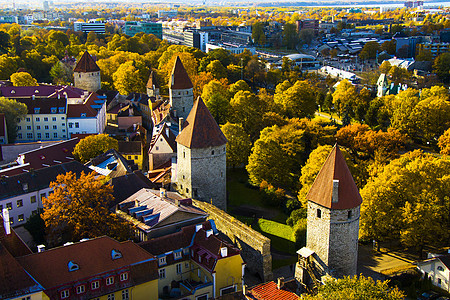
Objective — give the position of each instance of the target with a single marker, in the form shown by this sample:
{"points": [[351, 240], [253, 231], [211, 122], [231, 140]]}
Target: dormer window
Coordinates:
{"points": [[37, 110], [115, 254], [53, 110], [36, 91], [440, 268], [162, 261], [72, 266], [177, 255], [83, 115], [13, 91], [61, 110]]}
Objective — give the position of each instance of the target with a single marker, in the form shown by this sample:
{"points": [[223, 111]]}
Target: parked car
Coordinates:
{"points": [[428, 296]]}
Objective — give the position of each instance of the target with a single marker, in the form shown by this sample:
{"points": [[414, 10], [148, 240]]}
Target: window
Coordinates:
{"points": [[135, 157], [125, 295], [162, 273], [77, 125], [20, 218], [33, 199], [227, 290], [177, 255], [38, 119], [179, 268], [319, 213], [80, 289], [53, 110], [19, 135], [111, 297], [62, 124], [54, 119], [187, 190], [70, 125], [61, 110], [162, 261], [28, 119], [186, 251], [349, 214], [199, 273], [440, 268], [19, 127], [439, 281], [47, 135], [36, 111], [55, 127], [46, 127], [62, 118], [42, 196], [46, 119], [28, 127], [124, 276], [72, 266], [55, 135], [19, 203], [186, 266], [63, 130], [202, 297], [212, 152], [64, 294], [109, 280], [38, 127], [26, 298], [29, 135], [95, 285], [39, 135], [9, 205], [1, 208], [11, 220]]}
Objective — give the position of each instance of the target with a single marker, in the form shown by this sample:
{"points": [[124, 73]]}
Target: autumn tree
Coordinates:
{"points": [[369, 51], [217, 70], [13, 111], [238, 145], [258, 35], [357, 288], [127, 79], [408, 200], [344, 97], [441, 67], [444, 142], [290, 36], [297, 101], [23, 79], [79, 208], [215, 96], [240, 85], [94, 145]]}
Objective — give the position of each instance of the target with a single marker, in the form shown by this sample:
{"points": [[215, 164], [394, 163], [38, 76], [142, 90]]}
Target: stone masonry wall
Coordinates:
{"points": [[255, 248], [317, 233], [87, 81], [181, 101]]}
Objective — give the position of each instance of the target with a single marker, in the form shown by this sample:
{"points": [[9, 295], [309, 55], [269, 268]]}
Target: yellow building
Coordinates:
{"points": [[132, 151], [195, 264]]}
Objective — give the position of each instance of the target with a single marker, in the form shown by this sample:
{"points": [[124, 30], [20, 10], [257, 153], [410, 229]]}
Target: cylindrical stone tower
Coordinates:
{"points": [[86, 74]]}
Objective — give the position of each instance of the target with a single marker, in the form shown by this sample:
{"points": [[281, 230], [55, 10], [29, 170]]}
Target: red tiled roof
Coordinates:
{"points": [[200, 129], [44, 105], [152, 80], [51, 155], [269, 291], [179, 79], [86, 64], [321, 191], [75, 110], [12, 242], [92, 256]]}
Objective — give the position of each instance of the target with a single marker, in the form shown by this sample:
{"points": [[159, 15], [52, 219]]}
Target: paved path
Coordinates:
{"points": [[327, 117]]}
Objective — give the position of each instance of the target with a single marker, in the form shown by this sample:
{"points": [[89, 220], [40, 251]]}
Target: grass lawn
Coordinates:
{"points": [[238, 192], [279, 234]]}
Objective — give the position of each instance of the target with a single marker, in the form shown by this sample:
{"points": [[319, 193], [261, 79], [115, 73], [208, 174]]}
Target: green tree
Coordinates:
{"points": [[344, 96], [94, 145], [239, 85], [23, 79], [127, 79], [61, 74], [8, 65], [215, 96], [441, 67], [424, 55], [79, 208], [13, 111], [238, 145], [389, 47], [258, 35], [306, 36], [217, 70], [290, 36], [297, 101], [396, 199], [357, 288], [369, 51], [5, 43]]}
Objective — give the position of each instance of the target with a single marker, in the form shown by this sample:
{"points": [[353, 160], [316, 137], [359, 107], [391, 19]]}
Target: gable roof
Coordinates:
{"points": [[321, 191], [269, 291], [126, 185], [152, 82], [179, 79], [200, 129], [86, 64], [130, 147], [111, 163], [12, 242], [44, 105], [162, 132], [87, 107], [92, 256]]}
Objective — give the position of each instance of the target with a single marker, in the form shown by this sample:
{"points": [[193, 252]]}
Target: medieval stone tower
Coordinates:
{"points": [[201, 157], [181, 90], [152, 85], [86, 74], [333, 220]]}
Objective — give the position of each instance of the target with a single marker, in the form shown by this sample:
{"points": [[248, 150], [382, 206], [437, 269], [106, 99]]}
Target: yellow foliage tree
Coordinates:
{"points": [[23, 79], [94, 145]]}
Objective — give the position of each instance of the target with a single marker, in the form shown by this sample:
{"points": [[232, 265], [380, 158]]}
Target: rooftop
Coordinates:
{"points": [[179, 80], [86, 64]]}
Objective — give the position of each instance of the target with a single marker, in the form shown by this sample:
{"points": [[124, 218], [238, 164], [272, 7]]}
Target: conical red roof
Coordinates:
{"points": [[86, 64], [152, 81], [200, 129], [321, 191], [179, 79]]}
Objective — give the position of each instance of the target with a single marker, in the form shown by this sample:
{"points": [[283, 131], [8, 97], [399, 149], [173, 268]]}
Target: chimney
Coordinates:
{"points": [[33, 97], [175, 113], [335, 195], [6, 223], [162, 192], [167, 131], [181, 124], [280, 283], [41, 248], [209, 233], [224, 251], [177, 202]]}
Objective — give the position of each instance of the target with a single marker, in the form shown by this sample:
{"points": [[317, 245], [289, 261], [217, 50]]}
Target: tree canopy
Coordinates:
{"points": [[238, 145], [79, 208], [23, 79], [94, 145], [13, 111]]}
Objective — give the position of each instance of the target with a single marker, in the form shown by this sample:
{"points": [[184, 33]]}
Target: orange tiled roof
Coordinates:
{"points": [[269, 291], [86, 64], [321, 191], [200, 129]]}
